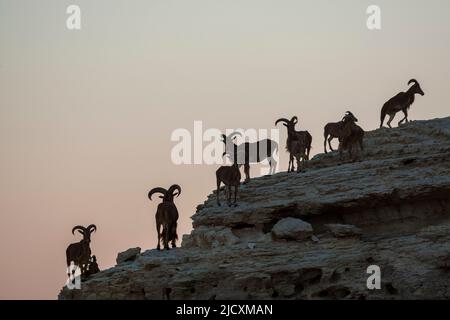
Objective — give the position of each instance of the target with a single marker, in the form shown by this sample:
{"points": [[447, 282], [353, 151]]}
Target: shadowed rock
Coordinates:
{"points": [[401, 207]]}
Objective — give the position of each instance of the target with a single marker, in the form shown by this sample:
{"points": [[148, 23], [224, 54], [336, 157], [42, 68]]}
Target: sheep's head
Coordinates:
{"points": [[349, 117], [167, 195], [289, 124], [416, 89], [228, 141], [85, 232]]}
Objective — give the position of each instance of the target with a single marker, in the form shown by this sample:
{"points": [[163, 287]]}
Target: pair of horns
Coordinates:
{"points": [[347, 114], [293, 120], [89, 229], [174, 188], [232, 135]]}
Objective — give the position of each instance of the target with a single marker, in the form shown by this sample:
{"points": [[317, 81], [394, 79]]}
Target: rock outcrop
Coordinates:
{"points": [[128, 255], [313, 235]]}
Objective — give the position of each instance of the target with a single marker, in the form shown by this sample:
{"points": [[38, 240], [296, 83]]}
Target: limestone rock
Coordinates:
{"points": [[396, 196], [128, 255], [210, 237], [292, 229]]}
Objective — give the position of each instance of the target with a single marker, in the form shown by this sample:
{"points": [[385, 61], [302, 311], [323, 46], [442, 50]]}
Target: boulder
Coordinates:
{"points": [[128, 255], [210, 237], [292, 229]]}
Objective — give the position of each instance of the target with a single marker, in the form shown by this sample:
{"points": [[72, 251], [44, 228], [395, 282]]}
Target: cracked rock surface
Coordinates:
{"points": [[391, 208]]}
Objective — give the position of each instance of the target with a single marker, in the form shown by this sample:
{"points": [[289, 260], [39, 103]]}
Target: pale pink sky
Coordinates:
{"points": [[86, 116]]}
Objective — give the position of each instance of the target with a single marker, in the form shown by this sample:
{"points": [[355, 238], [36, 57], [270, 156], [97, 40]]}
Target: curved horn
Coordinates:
{"points": [[294, 119], [155, 190], [282, 120], [92, 228], [348, 113], [412, 81], [235, 133], [83, 229], [174, 188]]}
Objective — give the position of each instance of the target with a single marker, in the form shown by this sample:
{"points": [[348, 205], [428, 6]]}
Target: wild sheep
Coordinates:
{"points": [[166, 215], [298, 143], [80, 252], [230, 176], [401, 102], [250, 152], [332, 130], [352, 134]]}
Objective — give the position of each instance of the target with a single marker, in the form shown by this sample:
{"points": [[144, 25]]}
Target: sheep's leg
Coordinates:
{"points": [[229, 195], [329, 143], [83, 269], [247, 172], [298, 164], [166, 236], [158, 228], [405, 118], [391, 117], [273, 165], [218, 192], [291, 163], [173, 234], [236, 187], [325, 143]]}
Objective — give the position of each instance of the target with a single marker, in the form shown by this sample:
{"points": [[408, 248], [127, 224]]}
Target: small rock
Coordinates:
{"points": [[292, 229], [251, 245], [343, 230], [315, 239], [129, 255]]}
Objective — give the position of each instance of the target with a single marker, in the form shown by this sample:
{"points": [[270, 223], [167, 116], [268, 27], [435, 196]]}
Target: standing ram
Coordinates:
{"points": [[250, 152], [351, 135], [80, 252], [166, 215], [401, 102], [298, 143], [330, 131], [230, 176]]}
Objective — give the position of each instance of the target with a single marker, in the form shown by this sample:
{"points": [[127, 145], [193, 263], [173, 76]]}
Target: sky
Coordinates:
{"points": [[86, 116]]}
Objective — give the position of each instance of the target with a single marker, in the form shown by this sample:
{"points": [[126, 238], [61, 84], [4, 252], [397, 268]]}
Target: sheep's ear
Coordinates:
{"points": [[284, 124], [162, 197], [81, 232]]}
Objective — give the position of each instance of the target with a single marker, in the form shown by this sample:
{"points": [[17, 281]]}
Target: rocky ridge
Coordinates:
{"points": [[312, 235]]}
